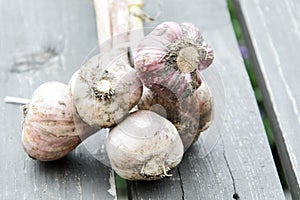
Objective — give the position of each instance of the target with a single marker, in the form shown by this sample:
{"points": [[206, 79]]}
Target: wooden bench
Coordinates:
{"points": [[272, 31], [48, 40]]}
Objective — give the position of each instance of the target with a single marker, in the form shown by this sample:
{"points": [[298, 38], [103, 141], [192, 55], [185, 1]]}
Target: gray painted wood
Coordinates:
{"points": [[241, 160], [40, 45], [272, 30], [44, 41]]}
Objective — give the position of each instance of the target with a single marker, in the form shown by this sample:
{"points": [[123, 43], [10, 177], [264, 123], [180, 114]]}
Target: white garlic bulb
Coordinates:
{"points": [[49, 131], [105, 89], [144, 146]]}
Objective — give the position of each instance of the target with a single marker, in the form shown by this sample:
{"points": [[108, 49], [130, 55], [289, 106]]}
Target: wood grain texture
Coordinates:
{"points": [[44, 41], [241, 160], [272, 30]]}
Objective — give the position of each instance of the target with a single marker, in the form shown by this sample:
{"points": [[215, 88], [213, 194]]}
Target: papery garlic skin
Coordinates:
{"points": [[171, 57], [42, 145], [206, 107], [144, 146], [83, 129], [191, 116], [105, 90], [49, 131]]}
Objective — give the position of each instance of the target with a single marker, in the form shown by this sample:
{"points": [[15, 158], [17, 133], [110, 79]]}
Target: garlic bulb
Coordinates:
{"points": [[171, 57], [144, 146], [49, 132], [191, 116], [105, 89]]}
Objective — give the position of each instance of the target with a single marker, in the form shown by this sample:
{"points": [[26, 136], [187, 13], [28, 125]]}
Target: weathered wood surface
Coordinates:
{"points": [[44, 41], [241, 161], [272, 30], [48, 40]]}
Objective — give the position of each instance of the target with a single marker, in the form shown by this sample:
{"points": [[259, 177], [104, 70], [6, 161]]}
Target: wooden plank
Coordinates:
{"points": [[240, 164], [272, 30], [44, 41]]}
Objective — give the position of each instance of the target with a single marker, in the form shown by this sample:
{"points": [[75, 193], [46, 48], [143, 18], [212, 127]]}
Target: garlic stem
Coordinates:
{"points": [[103, 21], [120, 22], [136, 16], [135, 23], [16, 100], [120, 27]]}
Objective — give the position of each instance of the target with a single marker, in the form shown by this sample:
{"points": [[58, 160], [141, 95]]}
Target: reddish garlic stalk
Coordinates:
{"points": [[135, 24], [103, 22]]}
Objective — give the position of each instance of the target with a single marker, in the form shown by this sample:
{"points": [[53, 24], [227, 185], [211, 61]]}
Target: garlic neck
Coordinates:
{"points": [[103, 90]]}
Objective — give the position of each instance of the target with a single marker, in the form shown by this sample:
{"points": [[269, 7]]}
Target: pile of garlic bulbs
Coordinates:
{"points": [[174, 104]]}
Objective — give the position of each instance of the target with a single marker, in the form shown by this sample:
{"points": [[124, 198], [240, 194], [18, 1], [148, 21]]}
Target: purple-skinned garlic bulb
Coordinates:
{"points": [[171, 57]]}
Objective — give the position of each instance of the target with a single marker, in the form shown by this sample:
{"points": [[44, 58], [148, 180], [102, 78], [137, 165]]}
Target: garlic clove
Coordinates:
{"points": [[144, 146], [206, 108], [105, 89], [204, 99]]}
